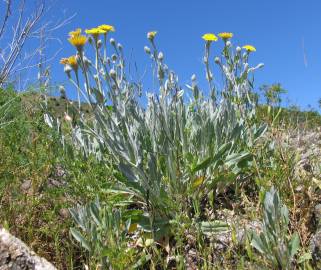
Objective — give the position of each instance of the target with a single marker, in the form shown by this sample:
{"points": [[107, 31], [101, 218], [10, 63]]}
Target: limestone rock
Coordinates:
{"points": [[15, 255]]}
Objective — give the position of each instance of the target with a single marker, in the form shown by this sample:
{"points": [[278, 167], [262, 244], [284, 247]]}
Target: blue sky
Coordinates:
{"points": [[284, 33]]}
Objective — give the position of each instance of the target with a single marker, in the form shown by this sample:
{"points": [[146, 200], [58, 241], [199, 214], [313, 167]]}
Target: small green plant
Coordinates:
{"points": [[272, 94], [275, 243], [103, 234], [4, 109]]}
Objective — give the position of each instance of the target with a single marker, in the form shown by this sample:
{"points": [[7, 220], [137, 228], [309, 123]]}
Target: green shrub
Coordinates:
{"points": [[175, 151], [275, 243]]}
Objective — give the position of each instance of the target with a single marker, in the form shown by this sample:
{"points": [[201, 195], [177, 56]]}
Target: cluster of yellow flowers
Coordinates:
{"points": [[78, 40], [210, 37], [100, 30]]}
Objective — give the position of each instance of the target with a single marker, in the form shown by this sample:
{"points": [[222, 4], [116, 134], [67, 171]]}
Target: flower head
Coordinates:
{"points": [[95, 32], [78, 41], [151, 35], [64, 61], [209, 37], [107, 28], [76, 32], [225, 35], [70, 61], [249, 48]]}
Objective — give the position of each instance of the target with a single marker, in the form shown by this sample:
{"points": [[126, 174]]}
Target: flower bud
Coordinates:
{"points": [[205, 60], [151, 35], [238, 49], [160, 56], [120, 47], [193, 78], [114, 57], [112, 41], [260, 65], [99, 44], [112, 73], [62, 91], [217, 60], [147, 50], [228, 43], [67, 70]]}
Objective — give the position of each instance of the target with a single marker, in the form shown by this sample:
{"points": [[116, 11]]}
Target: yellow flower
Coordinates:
{"points": [[64, 61], [78, 41], [77, 32], [249, 48], [225, 35], [209, 37], [151, 35], [95, 32], [132, 228], [107, 28], [198, 181], [72, 61]]}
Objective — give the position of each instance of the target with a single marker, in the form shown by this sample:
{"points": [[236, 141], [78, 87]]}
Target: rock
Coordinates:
{"points": [[317, 214], [57, 177], [26, 187], [252, 226], [191, 259], [64, 213], [14, 254], [60, 171], [225, 238], [53, 183], [315, 247], [305, 164], [315, 244]]}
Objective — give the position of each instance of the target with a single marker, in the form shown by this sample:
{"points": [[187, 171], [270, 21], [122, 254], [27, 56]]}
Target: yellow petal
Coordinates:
{"points": [[132, 228], [249, 48], [198, 181], [209, 37], [225, 35]]}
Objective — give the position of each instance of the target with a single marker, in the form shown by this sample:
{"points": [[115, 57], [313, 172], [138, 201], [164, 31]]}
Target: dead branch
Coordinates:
{"points": [[6, 17], [13, 56]]}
